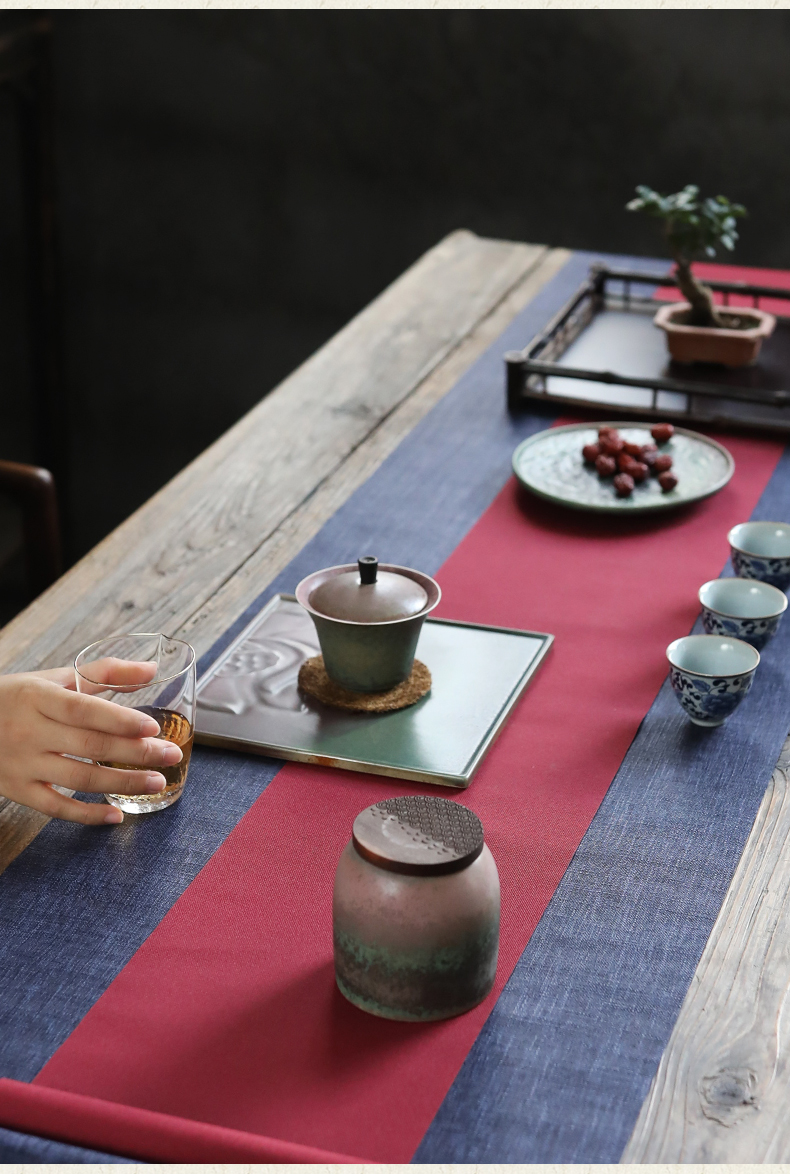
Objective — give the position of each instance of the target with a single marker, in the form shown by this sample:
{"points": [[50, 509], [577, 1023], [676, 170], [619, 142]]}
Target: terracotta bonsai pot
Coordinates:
{"points": [[706, 344]]}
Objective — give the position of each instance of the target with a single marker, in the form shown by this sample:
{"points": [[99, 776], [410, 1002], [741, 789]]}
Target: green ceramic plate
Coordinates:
{"points": [[551, 465]]}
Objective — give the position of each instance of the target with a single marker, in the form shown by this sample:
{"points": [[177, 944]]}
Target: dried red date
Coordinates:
{"points": [[624, 484], [629, 463], [605, 466], [661, 433]]}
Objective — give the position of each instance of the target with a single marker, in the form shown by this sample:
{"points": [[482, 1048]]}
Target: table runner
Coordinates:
{"points": [[497, 536], [152, 1136]]}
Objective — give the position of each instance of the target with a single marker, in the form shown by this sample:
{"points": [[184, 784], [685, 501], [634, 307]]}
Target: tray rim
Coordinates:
{"points": [[615, 510], [293, 754]]}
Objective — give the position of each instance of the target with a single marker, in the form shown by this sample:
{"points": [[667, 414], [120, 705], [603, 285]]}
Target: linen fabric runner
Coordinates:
{"points": [[25, 1147], [228, 1012], [152, 1136]]}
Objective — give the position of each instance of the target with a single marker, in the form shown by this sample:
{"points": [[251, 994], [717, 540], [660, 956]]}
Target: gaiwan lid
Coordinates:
{"points": [[368, 595], [418, 834]]}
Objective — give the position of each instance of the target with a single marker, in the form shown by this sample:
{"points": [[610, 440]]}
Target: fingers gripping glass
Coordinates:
{"points": [[156, 675]]}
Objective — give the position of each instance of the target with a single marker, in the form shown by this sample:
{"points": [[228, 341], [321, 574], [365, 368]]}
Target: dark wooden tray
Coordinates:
{"points": [[602, 351]]}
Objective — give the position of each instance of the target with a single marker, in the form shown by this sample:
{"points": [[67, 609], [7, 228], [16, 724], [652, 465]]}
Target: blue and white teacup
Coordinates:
{"points": [[711, 676], [743, 608], [761, 550]]}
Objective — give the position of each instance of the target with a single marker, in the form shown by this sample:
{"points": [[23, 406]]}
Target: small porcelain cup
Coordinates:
{"points": [[761, 550], [711, 675], [743, 608]]}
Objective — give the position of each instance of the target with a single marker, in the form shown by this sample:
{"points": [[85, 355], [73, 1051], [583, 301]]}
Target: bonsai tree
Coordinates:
{"points": [[693, 229]]}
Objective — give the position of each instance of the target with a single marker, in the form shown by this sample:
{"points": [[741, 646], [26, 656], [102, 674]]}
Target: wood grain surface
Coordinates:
{"points": [[721, 1091], [190, 559], [179, 548]]}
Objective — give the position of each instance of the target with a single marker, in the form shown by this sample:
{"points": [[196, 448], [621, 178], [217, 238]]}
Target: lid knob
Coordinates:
{"points": [[368, 568]]}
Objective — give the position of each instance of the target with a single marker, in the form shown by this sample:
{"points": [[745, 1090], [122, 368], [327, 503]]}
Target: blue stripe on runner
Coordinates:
{"points": [[565, 1059], [78, 902], [26, 1147]]}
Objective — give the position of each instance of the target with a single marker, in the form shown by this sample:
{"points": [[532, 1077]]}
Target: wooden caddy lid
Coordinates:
{"points": [[418, 834]]}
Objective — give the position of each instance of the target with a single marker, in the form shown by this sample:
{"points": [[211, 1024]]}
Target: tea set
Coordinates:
{"points": [[407, 853], [711, 674], [416, 884], [368, 620]]}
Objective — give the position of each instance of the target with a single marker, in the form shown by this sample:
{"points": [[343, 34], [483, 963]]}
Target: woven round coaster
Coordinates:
{"points": [[314, 680]]}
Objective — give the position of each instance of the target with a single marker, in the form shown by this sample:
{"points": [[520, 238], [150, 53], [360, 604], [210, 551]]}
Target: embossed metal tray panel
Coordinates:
{"points": [[249, 699]]}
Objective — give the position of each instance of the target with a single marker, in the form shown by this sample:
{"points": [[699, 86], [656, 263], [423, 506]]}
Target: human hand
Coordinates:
{"points": [[43, 718]]}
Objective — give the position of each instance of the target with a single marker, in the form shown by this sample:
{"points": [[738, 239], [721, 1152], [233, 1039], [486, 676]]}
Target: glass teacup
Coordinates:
{"points": [[166, 691]]}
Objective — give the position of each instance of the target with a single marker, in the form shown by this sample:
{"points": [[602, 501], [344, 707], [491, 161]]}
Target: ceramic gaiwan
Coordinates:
{"points": [[368, 618]]}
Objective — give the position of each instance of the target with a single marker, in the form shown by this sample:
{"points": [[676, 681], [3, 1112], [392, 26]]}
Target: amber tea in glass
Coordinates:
{"points": [[168, 696]]}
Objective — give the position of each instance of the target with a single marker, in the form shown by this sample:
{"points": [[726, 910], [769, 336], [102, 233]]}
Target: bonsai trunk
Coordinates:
{"points": [[703, 310]]}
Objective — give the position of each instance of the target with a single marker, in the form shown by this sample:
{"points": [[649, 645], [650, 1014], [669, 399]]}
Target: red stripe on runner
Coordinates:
{"points": [[228, 1013], [139, 1133]]}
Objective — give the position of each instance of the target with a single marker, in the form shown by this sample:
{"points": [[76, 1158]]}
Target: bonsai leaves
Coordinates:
{"points": [[694, 227]]}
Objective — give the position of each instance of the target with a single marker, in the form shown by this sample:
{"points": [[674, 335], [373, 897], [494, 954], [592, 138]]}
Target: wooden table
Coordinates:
{"points": [[194, 556]]}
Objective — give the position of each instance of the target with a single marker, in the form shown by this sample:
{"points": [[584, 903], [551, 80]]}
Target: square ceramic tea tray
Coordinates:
{"points": [[249, 699]]}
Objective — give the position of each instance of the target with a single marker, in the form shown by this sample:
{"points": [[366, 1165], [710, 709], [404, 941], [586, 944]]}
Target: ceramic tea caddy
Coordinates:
{"points": [[368, 618], [416, 910]]}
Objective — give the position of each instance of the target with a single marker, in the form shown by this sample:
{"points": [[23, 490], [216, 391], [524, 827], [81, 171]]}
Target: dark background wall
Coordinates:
{"points": [[234, 186]]}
